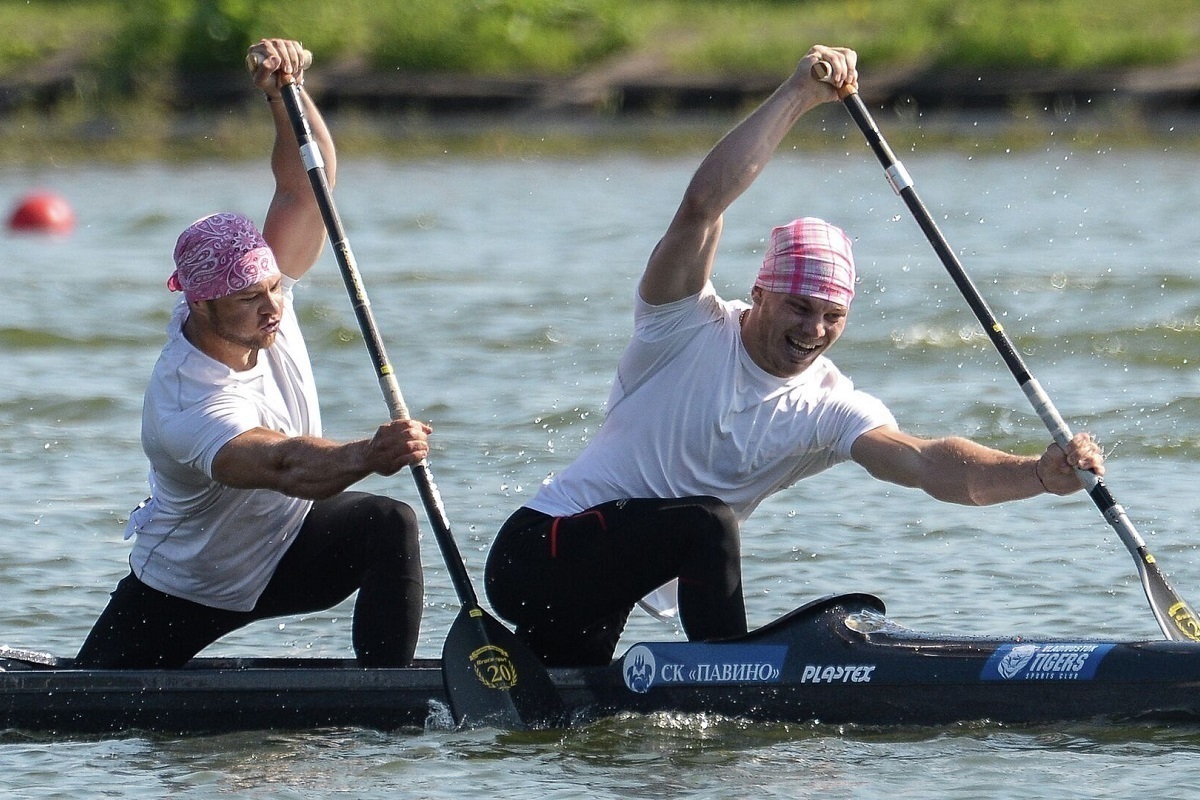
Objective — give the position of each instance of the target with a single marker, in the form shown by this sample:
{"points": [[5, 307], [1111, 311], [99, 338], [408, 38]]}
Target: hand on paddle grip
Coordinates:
{"points": [[255, 58], [823, 72]]}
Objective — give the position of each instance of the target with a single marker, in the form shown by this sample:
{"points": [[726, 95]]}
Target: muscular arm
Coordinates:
{"points": [[958, 470], [682, 260], [293, 226], [314, 468]]}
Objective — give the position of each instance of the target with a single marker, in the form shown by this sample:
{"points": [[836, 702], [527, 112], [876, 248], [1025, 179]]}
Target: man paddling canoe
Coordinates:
{"points": [[249, 516], [717, 405]]}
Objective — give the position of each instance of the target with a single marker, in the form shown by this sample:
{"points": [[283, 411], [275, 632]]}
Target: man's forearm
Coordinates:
{"points": [[961, 471]]}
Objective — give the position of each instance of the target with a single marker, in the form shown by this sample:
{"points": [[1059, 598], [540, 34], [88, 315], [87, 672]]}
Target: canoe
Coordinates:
{"points": [[837, 660]]}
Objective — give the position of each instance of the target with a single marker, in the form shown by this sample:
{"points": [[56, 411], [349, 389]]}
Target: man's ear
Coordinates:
{"points": [[200, 308]]}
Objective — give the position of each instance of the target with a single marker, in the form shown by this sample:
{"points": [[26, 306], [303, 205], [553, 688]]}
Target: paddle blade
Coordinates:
{"points": [[493, 680], [1175, 617]]}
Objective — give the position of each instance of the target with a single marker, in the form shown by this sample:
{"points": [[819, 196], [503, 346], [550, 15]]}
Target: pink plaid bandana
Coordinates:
{"points": [[811, 257], [219, 255]]}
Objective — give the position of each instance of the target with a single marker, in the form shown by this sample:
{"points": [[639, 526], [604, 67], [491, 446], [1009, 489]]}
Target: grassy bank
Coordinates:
{"points": [[133, 46], [123, 67]]}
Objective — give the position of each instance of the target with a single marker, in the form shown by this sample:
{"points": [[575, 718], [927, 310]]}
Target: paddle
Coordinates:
{"points": [[491, 677], [1175, 617]]}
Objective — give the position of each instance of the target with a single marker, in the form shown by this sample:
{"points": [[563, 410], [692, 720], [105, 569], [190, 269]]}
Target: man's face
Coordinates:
{"points": [[249, 318], [785, 333]]}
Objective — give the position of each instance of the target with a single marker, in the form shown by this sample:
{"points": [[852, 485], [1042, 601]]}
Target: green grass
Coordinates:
{"points": [[765, 36], [135, 47], [39, 30], [126, 62]]}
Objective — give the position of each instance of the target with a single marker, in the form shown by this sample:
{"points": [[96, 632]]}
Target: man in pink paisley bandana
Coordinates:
{"points": [[717, 405], [250, 514], [219, 255]]}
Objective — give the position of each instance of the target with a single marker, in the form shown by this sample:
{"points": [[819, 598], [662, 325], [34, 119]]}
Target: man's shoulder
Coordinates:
{"points": [[827, 382], [184, 379], [704, 307]]}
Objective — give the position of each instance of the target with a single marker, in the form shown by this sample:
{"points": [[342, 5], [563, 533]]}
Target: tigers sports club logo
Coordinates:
{"points": [[1045, 662]]}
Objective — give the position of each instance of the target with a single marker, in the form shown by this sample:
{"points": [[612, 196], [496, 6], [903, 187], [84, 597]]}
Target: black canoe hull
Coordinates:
{"points": [[836, 660]]}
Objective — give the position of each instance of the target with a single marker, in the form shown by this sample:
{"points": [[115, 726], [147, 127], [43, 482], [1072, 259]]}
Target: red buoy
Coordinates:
{"points": [[42, 212]]}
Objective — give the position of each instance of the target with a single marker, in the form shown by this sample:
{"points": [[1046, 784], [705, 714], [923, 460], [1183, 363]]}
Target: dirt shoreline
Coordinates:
{"points": [[636, 89], [638, 85]]}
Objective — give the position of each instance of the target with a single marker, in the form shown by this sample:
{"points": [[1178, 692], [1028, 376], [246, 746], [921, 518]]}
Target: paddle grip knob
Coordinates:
{"points": [[254, 60], [823, 71]]}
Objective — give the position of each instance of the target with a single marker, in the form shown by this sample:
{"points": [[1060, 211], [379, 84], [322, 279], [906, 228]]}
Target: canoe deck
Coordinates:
{"points": [[836, 660]]}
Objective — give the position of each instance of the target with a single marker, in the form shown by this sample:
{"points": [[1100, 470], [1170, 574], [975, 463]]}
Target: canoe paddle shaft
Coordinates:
{"points": [[491, 677], [1174, 616]]}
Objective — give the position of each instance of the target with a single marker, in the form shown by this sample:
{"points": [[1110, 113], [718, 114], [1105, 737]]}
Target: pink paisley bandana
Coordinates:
{"points": [[811, 257], [219, 255]]}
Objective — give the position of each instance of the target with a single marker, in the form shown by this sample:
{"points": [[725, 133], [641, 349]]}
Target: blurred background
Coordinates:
{"points": [[158, 77], [506, 166]]}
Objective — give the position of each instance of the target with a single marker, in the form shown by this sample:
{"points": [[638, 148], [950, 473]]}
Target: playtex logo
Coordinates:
{"points": [[1044, 662], [679, 664]]}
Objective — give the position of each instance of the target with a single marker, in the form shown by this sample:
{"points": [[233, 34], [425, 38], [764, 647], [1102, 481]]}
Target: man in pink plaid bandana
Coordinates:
{"points": [[809, 257], [250, 514], [718, 404]]}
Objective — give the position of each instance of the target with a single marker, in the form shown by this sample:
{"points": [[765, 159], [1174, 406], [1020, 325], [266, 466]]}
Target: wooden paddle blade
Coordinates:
{"points": [[493, 680]]}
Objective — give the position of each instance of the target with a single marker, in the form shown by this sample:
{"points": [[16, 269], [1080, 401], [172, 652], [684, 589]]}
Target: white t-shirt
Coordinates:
{"points": [[691, 414], [196, 538]]}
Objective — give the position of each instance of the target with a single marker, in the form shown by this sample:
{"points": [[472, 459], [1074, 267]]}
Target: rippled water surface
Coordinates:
{"points": [[503, 289]]}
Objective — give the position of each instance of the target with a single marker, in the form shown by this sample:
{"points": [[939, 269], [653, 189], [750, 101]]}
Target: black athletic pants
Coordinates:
{"points": [[570, 583], [351, 542]]}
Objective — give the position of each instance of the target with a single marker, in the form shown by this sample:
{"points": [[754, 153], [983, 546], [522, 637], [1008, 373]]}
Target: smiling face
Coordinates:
{"points": [[785, 333]]}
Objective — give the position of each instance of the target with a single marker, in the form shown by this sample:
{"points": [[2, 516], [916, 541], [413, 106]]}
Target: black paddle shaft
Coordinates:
{"points": [[314, 164], [1175, 617], [491, 676]]}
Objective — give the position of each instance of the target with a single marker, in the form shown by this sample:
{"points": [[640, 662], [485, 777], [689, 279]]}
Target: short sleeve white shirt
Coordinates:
{"points": [[196, 538], [691, 414]]}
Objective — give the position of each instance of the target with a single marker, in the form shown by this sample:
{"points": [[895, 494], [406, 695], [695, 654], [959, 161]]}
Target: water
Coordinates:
{"points": [[503, 290]]}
